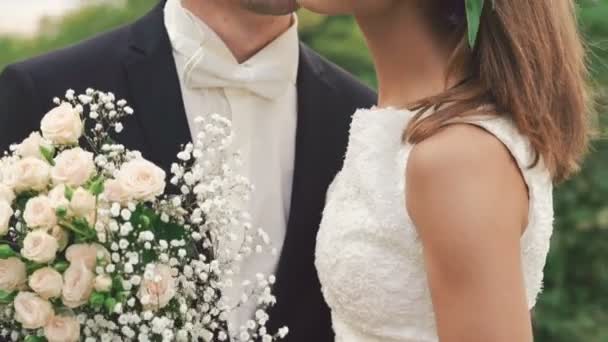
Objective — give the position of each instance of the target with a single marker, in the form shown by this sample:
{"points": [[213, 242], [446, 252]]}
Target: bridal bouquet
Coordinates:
{"points": [[92, 247]]}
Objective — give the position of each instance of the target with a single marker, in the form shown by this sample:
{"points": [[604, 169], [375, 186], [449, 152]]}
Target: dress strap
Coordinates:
{"points": [[504, 129]]}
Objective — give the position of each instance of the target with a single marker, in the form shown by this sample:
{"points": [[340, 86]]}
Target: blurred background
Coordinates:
{"points": [[574, 305]]}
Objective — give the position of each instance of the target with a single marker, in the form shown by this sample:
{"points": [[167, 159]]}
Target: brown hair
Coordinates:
{"points": [[528, 63]]}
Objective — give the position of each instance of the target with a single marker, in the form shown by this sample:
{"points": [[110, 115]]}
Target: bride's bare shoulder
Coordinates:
{"points": [[468, 170]]}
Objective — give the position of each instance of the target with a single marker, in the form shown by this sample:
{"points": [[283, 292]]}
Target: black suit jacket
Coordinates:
{"points": [[136, 63]]}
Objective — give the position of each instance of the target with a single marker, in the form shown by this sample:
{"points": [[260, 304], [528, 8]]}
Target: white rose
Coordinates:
{"points": [[57, 197], [158, 290], [61, 235], [6, 212], [78, 281], [87, 254], [12, 274], [6, 194], [32, 311], [46, 282], [30, 147], [62, 125], [73, 167], [114, 192], [39, 246], [83, 203], [28, 174], [39, 213], [62, 329], [103, 283], [141, 179], [5, 163]]}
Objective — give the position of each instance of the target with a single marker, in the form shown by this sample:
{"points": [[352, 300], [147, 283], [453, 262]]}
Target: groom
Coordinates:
{"points": [[290, 109]]}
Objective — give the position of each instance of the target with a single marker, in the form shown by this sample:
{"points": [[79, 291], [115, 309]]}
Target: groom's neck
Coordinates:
{"points": [[244, 32]]}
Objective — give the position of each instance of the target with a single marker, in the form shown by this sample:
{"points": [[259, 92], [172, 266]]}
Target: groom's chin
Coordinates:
{"points": [[271, 7]]}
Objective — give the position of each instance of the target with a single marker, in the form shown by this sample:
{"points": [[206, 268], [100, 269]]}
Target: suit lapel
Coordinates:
{"points": [[320, 142], [155, 89], [322, 133]]}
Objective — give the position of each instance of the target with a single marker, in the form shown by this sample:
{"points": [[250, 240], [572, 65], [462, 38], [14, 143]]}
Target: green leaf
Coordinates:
{"points": [[48, 154], [168, 231], [148, 256], [33, 266], [121, 296], [6, 252], [68, 192], [96, 187], [24, 197], [61, 266], [31, 338], [97, 300], [82, 224], [60, 308], [474, 10], [144, 222], [145, 218], [117, 284], [83, 232], [61, 212], [7, 297], [110, 304]]}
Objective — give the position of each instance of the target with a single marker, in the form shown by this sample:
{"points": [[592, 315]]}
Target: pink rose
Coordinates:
{"points": [[78, 281], [62, 125], [46, 282], [12, 274], [73, 167], [32, 311], [62, 329]]}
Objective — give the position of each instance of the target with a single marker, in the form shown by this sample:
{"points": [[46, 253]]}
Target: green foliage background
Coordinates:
{"points": [[574, 305]]}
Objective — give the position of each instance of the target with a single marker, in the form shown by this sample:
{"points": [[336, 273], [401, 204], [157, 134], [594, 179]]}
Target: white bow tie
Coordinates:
{"points": [[207, 70]]}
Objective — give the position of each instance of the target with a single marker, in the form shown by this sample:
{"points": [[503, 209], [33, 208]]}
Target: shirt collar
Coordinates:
{"points": [[188, 33]]}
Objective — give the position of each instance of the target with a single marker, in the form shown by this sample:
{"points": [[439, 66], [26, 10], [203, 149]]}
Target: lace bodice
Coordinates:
{"points": [[369, 257]]}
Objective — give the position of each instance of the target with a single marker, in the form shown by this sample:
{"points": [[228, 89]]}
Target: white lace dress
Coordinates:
{"points": [[369, 257]]}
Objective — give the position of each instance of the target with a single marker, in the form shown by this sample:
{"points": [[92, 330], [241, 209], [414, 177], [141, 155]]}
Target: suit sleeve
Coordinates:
{"points": [[18, 107]]}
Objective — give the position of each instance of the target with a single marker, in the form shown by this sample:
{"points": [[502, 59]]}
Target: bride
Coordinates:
{"points": [[438, 226]]}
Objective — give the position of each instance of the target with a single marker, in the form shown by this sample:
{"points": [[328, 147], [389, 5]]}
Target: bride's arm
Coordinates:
{"points": [[469, 203]]}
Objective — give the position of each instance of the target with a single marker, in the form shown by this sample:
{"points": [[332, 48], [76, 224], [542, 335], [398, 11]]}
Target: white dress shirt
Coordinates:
{"points": [[260, 98]]}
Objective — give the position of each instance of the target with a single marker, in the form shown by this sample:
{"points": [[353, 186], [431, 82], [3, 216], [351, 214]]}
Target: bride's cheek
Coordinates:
{"points": [[373, 7]]}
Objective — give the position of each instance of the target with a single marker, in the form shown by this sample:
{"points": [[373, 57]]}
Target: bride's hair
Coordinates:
{"points": [[529, 64]]}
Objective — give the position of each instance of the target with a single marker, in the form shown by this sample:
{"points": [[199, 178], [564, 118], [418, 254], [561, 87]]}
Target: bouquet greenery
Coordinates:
{"points": [[93, 248]]}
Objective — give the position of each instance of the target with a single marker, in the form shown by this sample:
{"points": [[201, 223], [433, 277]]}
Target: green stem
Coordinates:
{"points": [[95, 214], [73, 229]]}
